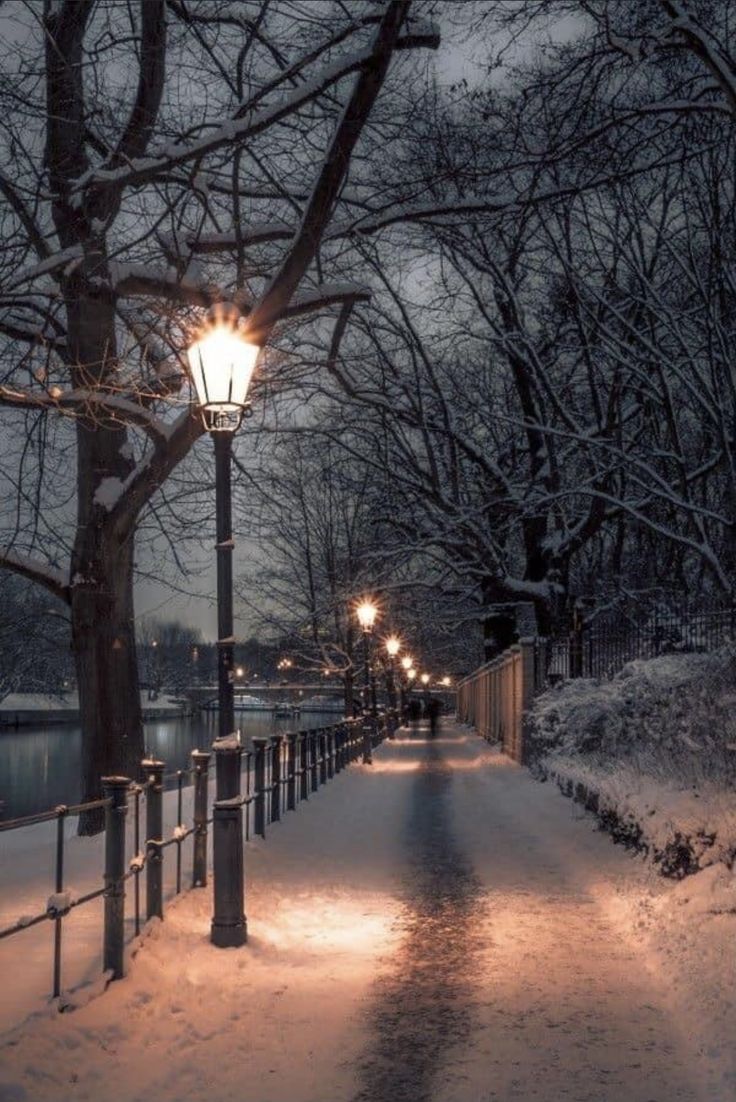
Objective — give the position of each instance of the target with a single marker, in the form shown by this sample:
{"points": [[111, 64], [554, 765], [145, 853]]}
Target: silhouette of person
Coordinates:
{"points": [[434, 707]]}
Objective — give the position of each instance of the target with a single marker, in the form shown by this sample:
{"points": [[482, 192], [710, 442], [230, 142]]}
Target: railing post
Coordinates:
{"points": [[339, 738], [154, 771], [575, 659], [303, 765], [116, 791], [330, 753], [291, 739], [313, 760], [322, 742], [276, 743], [229, 927], [528, 688], [259, 789], [61, 813], [200, 770], [367, 740]]}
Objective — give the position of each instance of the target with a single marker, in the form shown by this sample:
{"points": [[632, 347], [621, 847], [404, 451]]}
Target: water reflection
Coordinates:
{"points": [[40, 766]]}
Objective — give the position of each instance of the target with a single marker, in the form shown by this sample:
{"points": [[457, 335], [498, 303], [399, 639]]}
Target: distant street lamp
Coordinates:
{"points": [[367, 612], [221, 362], [424, 678], [407, 662], [393, 646]]}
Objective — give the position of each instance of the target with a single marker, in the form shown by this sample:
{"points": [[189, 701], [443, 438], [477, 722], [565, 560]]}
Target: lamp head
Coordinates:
{"points": [[366, 612], [221, 364]]}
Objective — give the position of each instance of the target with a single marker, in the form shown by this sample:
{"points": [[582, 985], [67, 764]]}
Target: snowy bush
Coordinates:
{"points": [[673, 716], [652, 753]]}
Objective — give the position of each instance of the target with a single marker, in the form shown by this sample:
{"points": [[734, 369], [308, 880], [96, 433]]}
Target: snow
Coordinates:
{"points": [[569, 970], [60, 902], [247, 126], [654, 746], [108, 493]]}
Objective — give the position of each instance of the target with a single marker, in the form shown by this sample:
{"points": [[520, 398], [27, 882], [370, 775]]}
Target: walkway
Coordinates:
{"points": [[435, 928]]}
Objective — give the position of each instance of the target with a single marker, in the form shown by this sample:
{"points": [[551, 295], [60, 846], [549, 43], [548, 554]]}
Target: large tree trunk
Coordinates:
{"points": [[499, 625], [103, 628], [103, 635]]}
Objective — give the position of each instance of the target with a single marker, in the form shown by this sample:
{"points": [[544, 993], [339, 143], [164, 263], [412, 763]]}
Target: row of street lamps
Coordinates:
{"points": [[222, 360], [367, 613]]}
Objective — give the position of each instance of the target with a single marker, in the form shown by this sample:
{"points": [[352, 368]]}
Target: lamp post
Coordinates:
{"points": [[366, 612], [221, 362], [393, 646], [407, 663]]}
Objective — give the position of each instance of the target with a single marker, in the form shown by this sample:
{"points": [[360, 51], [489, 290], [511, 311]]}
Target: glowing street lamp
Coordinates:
{"points": [[221, 362], [424, 678], [393, 646], [221, 365], [446, 682], [367, 612], [407, 662]]}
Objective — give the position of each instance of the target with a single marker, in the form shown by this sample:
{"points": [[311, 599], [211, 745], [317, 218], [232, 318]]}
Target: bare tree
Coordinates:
{"points": [[139, 138]]}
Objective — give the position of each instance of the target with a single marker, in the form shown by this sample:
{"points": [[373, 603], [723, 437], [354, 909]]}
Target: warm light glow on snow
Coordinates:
{"points": [[328, 923]]}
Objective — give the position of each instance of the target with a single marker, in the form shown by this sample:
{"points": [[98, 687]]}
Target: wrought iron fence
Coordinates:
{"points": [[278, 774], [603, 646]]}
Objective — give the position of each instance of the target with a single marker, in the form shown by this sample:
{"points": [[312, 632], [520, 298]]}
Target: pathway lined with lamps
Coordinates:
{"points": [[434, 929]]}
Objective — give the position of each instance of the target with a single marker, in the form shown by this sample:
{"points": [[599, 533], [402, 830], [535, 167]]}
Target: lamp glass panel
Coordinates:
{"points": [[222, 366]]}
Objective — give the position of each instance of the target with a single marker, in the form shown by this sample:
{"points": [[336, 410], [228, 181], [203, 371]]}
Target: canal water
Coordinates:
{"points": [[40, 767]]}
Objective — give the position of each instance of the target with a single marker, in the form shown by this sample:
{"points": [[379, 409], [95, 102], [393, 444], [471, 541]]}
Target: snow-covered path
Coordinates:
{"points": [[510, 981], [435, 927]]}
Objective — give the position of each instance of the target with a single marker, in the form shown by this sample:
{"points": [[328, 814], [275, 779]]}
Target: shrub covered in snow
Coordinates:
{"points": [[652, 753], [674, 715]]}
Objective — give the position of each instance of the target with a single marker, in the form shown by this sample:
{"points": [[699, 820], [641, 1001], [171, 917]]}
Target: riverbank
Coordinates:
{"points": [[19, 710]]}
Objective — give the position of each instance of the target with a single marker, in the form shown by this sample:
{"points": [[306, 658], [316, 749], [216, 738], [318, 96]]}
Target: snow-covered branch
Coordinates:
{"points": [[41, 573]]}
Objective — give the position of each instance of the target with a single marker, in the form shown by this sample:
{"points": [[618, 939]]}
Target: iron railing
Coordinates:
{"points": [[601, 647], [278, 774]]}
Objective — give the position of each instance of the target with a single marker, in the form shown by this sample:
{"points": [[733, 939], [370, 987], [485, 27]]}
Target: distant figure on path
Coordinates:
{"points": [[434, 707], [414, 711]]}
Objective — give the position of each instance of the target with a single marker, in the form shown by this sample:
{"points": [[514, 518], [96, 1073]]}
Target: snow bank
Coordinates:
{"points": [[652, 753]]}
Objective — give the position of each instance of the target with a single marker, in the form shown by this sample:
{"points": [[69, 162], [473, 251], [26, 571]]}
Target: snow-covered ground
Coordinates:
{"points": [[437, 926]]}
